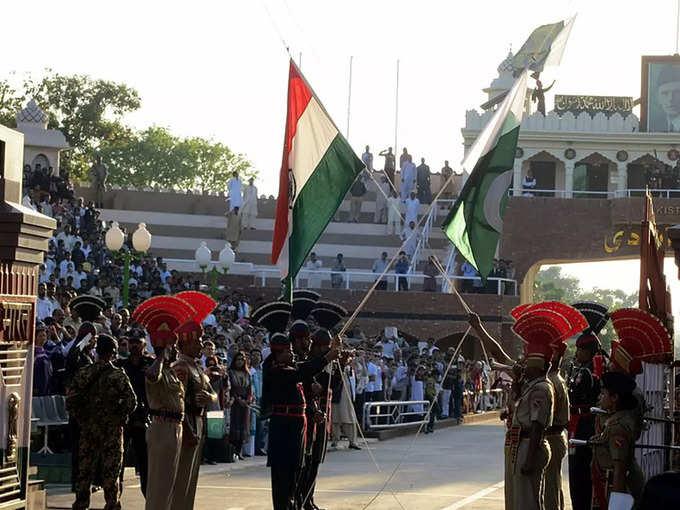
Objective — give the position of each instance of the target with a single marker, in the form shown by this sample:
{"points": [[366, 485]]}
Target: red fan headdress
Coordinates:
{"points": [[641, 337], [161, 316]]}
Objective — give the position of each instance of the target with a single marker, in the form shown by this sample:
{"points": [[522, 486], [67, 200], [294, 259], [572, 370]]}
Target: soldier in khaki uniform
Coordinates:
{"points": [[556, 434], [614, 448], [544, 327], [198, 395], [100, 398], [160, 316]]}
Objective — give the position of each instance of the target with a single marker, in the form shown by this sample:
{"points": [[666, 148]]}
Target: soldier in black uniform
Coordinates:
{"points": [[327, 316], [300, 338], [284, 401], [584, 392]]}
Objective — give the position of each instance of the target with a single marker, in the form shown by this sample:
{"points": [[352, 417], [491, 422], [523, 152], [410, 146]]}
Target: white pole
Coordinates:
{"points": [[300, 61], [677, 29], [349, 97], [396, 110]]}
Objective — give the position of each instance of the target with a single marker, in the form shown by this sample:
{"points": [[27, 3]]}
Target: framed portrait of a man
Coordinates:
{"points": [[660, 95]]}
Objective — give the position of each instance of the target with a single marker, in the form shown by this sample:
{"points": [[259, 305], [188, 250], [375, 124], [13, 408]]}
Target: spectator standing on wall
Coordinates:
{"points": [[357, 192], [401, 267], [235, 189], [234, 228], [424, 189], [249, 209], [408, 178], [390, 165], [379, 267], [367, 158]]}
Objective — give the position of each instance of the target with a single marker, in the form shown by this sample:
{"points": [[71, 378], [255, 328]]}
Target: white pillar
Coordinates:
{"points": [[568, 179], [517, 177], [622, 183]]}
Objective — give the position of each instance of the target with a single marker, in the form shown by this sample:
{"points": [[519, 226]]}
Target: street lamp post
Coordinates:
{"points": [[141, 242], [224, 262]]}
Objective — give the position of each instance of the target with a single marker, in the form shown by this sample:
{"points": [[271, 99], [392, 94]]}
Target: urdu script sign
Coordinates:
{"points": [[593, 104]]}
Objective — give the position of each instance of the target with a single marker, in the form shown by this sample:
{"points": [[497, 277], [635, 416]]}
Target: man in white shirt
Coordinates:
{"points": [[44, 276], [69, 240], [27, 201], [389, 344], [78, 276], [367, 158], [50, 266], [412, 207], [43, 306], [408, 178], [164, 272], [46, 207], [315, 264], [411, 236], [394, 206], [235, 189]]}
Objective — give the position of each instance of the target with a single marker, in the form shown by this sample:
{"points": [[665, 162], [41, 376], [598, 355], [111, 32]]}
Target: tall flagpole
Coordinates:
{"points": [[349, 97], [677, 30], [396, 110]]}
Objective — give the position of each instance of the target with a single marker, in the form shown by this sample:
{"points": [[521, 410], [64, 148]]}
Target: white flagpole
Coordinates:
{"points": [[396, 111], [677, 29], [349, 97]]}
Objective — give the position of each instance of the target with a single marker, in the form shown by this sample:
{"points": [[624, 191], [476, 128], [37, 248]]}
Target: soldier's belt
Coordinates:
{"points": [[297, 410], [555, 430], [166, 415]]}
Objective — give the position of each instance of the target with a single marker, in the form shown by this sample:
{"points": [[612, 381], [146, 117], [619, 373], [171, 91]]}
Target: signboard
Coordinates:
{"points": [[593, 104]]}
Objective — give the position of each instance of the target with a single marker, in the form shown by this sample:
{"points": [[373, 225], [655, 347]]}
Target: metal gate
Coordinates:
{"points": [[654, 383]]}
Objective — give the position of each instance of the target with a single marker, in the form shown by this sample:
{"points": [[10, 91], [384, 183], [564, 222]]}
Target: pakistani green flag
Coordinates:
{"points": [[544, 47], [475, 221]]}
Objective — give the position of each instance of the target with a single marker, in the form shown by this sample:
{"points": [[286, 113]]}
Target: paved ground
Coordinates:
{"points": [[454, 468]]}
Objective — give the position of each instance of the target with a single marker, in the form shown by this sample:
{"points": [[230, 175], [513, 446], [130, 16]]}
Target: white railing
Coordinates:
{"points": [[392, 414], [562, 193], [391, 277], [424, 241]]}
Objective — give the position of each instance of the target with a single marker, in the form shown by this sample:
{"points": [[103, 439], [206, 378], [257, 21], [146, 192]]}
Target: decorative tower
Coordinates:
{"points": [[41, 145]]}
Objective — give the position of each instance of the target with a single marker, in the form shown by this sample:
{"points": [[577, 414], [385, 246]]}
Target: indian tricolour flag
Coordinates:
{"points": [[475, 221], [318, 169]]}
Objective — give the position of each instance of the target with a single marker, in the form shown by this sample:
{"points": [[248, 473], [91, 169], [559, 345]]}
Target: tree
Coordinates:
{"points": [[88, 111], [213, 164], [552, 285], [155, 157]]}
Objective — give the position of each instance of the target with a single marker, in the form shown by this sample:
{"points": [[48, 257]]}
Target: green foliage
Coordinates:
{"points": [[90, 114], [552, 285], [155, 157]]}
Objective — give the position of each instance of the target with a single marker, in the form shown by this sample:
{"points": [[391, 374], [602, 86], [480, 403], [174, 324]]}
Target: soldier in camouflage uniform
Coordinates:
{"points": [[101, 399]]}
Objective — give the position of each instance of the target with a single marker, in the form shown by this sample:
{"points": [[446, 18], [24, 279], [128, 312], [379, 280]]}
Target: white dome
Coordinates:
{"points": [[32, 114]]}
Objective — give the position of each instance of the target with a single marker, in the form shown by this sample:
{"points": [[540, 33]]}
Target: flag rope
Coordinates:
{"points": [[425, 419], [372, 288]]}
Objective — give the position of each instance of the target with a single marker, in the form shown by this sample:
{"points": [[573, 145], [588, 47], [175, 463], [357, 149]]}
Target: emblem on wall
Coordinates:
{"points": [[622, 156], [570, 153], [16, 322]]}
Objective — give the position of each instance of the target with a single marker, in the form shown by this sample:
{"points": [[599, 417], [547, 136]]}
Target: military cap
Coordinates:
{"points": [[597, 316], [618, 383], [273, 316], [88, 308], [327, 315]]}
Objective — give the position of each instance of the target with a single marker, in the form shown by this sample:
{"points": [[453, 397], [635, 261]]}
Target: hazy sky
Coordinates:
{"points": [[219, 69]]}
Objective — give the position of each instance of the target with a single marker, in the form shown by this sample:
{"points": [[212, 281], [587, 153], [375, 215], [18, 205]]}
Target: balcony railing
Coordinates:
{"points": [[562, 193]]}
